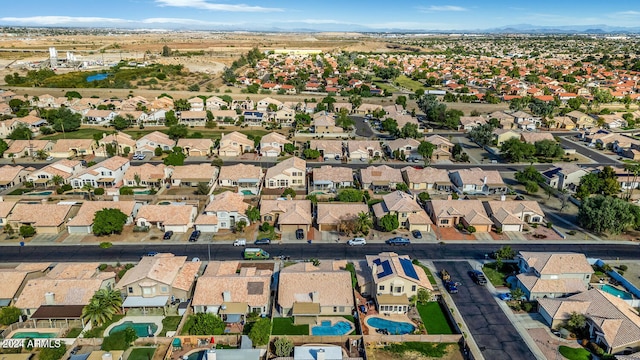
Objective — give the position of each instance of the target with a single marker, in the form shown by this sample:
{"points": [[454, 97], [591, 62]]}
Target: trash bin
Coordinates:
{"points": [[308, 241], [21, 243]]}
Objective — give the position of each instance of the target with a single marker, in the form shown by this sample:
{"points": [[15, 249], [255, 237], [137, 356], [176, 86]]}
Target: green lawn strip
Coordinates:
{"points": [[433, 350], [574, 353], [74, 332], [20, 191], [408, 83], [98, 331], [82, 133], [496, 277], [285, 326], [141, 354], [170, 323], [434, 319], [388, 89], [352, 269]]}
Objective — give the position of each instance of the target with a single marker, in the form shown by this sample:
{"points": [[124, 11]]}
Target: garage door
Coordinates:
{"points": [[511, 228]]}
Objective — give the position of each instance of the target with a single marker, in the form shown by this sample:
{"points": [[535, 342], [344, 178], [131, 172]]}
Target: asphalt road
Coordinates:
{"points": [[362, 128], [492, 331], [592, 154], [133, 252]]}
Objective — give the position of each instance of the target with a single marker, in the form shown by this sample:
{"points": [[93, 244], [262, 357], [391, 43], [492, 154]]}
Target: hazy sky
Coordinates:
{"points": [[320, 15]]}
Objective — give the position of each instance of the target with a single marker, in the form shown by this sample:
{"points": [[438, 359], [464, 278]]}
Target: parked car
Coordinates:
{"points": [[194, 236], [451, 287], [167, 235], [75, 350], [49, 158], [299, 234], [151, 253], [357, 241], [263, 241], [504, 296], [478, 277], [398, 241], [416, 234], [240, 242]]}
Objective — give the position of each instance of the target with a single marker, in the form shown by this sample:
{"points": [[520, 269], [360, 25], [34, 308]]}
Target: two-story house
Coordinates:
{"points": [[157, 280], [331, 178], [551, 275], [246, 178], [64, 168], [107, 174], [564, 176], [229, 209], [235, 144], [513, 215], [443, 148], [478, 181], [273, 144], [410, 214], [287, 173]]}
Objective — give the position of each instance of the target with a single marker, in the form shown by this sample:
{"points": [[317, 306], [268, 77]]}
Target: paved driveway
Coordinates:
{"points": [[496, 337]]}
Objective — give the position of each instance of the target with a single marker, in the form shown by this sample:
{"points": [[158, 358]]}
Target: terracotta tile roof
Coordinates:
{"points": [[112, 163], [381, 174], [89, 208], [291, 212], [302, 282], [65, 145], [395, 269], [195, 172], [5, 208], [11, 281], [334, 174], [400, 201], [284, 166], [401, 143], [198, 144], [147, 172], [250, 285], [438, 141], [9, 173], [40, 214], [120, 138], [167, 214], [163, 268], [158, 138], [66, 292], [427, 175], [274, 137], [240, 171], [227, 201], [204, 219], [477, 176], [471, 210], [186, 276], [328, 146], [20, 146], [557, 263], [333, 213], [363, 145], [504, 210], [555, 286], [533, 137]]}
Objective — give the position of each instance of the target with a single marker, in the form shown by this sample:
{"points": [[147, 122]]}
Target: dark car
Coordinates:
{"points": [[263, 241], [167, 235], [451, 287], [299, 234], [363, 309], [194, 236], [151, 253], [416, 234], [398, 241], [478, 277]]}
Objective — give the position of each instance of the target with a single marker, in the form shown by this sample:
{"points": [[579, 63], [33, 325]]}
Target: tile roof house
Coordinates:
{"points": [[612, 323], [534, 137], [428, 178], [193, 174], [381, 177], [478, 181], [410, 214], [302, 291], [450, 213], [512, 215], [65, 284], [443, 149], [99, 117], [550, 275], [468, 123], [176, 218], [13, 175], [364, 149], [288, 215], [502, 135], [148, 143], [64, 148], [406, 147], [330, 178], [14, 279], [82, 223], [107, 173], [391, 279], [233, 290], [564, 176], [325, 123], [26, 148], [228, 208], [5, 210], [196, 147], [120, 140], [235, 144], [45, 218], [582, 120], [147, 174], [158, 279], [330, 215], [329, 149], [287, 173], [272, 144], [246, 177]]}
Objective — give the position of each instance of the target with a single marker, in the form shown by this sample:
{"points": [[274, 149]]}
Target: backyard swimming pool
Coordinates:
{"points": [[325, 328], [616, 292], [33, 335], [142, 329], [393, 327], [40, 193]]}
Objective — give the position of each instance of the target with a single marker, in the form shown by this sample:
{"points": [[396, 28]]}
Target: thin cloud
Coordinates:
{"points": [[433, 8], [60, 20], [629, 13], [205, 5]]}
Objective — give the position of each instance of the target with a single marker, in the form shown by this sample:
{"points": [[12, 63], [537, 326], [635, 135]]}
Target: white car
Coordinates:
{"points": [[49, 158], [240, 242], [357, 241]]}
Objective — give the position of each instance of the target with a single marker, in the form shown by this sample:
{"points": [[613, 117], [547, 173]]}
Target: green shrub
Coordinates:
{"points": [[52, 353], [125, 190], [102, 267], [27, 231], [120, 340], [98, 191], [105, 245], [623, 267], [260, 332]]}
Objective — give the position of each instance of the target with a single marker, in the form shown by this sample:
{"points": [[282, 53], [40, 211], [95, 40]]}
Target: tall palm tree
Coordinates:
{"points": [[96, 313], [57, 180], [109, 298], [364, 222]]}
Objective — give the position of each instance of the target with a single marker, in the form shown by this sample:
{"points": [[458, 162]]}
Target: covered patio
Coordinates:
{"points": [[390, 304], [147, 304], [58, 316], [305, 313], [233, 314]]}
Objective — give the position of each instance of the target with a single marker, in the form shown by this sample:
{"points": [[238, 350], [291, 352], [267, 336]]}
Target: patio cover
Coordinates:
{"points": [[58, 312], [235, 308], [301, 308], [388, 299], [139, 301], [233, 318]]}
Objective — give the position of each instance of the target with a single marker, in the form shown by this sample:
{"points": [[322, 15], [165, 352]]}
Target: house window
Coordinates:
{"points": [[444, 222], [398, 289], [341, 308], [335, 309], [130, 290], [413, 288], [381, 287], [164, 289], [223, 225]]}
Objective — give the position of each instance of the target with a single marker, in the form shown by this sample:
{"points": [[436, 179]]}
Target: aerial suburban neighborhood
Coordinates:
{"points": [[198, 195]]}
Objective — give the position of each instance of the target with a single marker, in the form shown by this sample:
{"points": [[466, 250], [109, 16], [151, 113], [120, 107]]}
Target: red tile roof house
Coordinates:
{"points": [[551, 275], [108, 173], [176, 218], [45, 218], [303, 291], [288, 215], [82, 223], [233, 290], [450, 213], [156, 280]]}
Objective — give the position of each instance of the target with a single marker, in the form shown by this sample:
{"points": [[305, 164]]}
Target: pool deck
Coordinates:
{"points": [[334, 320], [392, 317], [138, 319]]}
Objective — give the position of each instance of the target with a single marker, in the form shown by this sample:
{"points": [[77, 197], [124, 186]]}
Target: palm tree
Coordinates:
{"points": [[57, 180], [96, 313], [89, 188], [41, 154], [109, 298], [364, 222]]}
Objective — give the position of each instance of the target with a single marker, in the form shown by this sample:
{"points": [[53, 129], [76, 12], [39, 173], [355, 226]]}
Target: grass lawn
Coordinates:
{"points": [[142, 354], [170, 323], [353, 321], [74, 332], [434, 319], [269, 234], [82, 133], [498, 277], [431, 350], [574, 353], [388, 89], [98, 331], [408, 83], [20, 191], [430, 276], [284, 326]]}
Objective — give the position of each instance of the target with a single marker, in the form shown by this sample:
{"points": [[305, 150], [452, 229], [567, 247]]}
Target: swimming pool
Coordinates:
{"points": [[33, 334], [40, 193], [142, 329], [393, 327], [325, 328], [616, 292], [142, 192], [97, 77]]}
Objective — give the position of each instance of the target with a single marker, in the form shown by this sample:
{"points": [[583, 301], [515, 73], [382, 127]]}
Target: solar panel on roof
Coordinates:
{"points": [[377, 262], [408, 269], [386, 269]]}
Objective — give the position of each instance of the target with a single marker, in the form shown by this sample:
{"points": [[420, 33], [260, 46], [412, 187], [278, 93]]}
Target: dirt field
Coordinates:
{"points": [[453, 353]]}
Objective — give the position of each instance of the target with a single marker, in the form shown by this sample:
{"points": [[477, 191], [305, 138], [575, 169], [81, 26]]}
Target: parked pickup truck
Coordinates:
{"points": [[444, 275], [478, 277]]}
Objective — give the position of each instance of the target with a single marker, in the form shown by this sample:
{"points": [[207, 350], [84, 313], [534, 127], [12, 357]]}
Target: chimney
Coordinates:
{"points": [[211, 197], [49, 298], [211, 354], [503, 197], [320, 354], [314, 297], [484, 181], [226, 296], [107, 356]]}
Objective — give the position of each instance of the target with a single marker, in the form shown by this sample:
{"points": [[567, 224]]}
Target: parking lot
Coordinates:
{"points": [[492, 331]]}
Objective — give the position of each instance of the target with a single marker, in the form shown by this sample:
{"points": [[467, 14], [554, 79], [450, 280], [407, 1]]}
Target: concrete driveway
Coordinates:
{"points": [[494, 333]]}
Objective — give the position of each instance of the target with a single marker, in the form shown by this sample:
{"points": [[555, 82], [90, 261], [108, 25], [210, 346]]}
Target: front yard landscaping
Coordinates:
{"points": [[285, 326], [574, 353], [434, 319], [498, 276]]}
